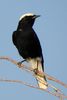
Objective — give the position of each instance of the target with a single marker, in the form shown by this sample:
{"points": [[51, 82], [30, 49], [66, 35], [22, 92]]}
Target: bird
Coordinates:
{"points": [[28, 45]]}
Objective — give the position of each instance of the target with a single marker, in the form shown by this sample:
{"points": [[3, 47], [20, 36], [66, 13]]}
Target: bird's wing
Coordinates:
{"points": [[14, 37], [37, 42]]}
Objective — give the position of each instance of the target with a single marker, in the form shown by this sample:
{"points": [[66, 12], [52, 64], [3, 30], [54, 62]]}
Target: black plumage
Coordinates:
{"points": [[26, 40], [27, 43]]}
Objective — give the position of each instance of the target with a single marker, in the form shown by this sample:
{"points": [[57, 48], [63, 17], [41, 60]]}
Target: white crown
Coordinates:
{"points": [[27, 14]]}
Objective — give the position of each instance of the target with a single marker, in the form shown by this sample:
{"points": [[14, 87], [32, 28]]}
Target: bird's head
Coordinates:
{"points": [[27, 20]]}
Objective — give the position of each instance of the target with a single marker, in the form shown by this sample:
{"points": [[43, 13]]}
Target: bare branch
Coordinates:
{"points": [[57, 92], [36, 87], [30, 69]]}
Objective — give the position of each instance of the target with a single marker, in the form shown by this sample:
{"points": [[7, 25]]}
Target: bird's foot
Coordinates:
{"points": [[35, 70], [19, 63]]}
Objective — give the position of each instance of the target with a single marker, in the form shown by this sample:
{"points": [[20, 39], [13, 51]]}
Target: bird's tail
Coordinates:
{"points": [[42, 83], [41, 79]]}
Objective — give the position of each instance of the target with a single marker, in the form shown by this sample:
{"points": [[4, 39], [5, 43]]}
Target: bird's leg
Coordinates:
{"points": [[19, 63], [36, 69]]}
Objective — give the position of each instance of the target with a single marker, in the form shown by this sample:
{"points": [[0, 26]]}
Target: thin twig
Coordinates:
{"points": [[36, 87], [57, 93], [29, 69]]}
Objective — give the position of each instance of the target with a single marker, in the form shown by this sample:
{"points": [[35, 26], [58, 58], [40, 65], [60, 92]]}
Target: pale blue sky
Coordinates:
{"points": [[51, 29]]}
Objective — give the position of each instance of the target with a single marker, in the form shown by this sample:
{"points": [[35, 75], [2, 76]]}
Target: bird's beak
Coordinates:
{"points": [[36, 16]]}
